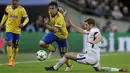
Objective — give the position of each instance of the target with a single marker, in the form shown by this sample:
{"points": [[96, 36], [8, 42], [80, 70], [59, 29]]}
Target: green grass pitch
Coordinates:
{"points": [[27, 63]]}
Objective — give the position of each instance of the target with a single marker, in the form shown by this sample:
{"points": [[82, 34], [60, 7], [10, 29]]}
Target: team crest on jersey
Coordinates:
{"points": [[11, 16]]}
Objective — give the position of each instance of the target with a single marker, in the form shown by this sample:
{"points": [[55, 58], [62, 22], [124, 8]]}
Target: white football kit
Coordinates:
{"points": [[92, 55]]}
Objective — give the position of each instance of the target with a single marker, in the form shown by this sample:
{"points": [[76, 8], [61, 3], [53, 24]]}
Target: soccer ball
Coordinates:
{"points": [[41, 55]]}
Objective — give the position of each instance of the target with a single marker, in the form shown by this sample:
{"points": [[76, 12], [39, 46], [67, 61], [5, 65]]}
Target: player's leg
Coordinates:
{"points": [[16, 44], [63, 48], [67, 56], [109, 69], [9, 39], [46, 41]]}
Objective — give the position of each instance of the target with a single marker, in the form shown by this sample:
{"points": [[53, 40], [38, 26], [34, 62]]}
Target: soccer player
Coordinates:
{"points": [[12, 16], [58, 33], [92, 55]]}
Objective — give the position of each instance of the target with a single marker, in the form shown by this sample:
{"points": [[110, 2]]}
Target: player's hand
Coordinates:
{"points": [[46, 20], [69, 22], [20, 26], [91, 42]]}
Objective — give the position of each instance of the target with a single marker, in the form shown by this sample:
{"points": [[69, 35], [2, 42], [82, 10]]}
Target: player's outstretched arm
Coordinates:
{"points": [[76, 27]]}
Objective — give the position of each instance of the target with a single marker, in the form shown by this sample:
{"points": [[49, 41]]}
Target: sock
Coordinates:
{"points": [[68, 63], [51, 48], [15, 52], [9, 52], [60, 63], [106, 69]]}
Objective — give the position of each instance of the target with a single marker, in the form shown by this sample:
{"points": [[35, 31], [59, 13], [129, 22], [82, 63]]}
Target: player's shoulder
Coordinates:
{"points": [[60, 15], [8, 6], [94, 29], [21, 7]]}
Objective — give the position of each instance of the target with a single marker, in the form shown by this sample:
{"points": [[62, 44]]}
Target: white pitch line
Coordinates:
{"points": [[50, 60], [31, 62]]}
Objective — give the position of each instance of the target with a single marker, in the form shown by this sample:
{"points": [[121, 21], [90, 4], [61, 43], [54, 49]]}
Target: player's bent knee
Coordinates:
{"points": [[97, 69], [68, 54], [42, 44]]}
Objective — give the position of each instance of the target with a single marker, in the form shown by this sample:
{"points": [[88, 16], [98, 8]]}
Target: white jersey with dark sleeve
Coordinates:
{"points": [[92, 55], [91, 37]]}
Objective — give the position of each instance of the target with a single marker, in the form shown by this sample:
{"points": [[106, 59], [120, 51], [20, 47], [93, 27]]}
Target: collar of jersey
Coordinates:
{"points": [[15, 8], [54, 15]]}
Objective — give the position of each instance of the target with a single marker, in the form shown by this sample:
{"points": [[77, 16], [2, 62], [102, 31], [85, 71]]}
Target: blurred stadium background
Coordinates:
{"points": [[112, 17]]}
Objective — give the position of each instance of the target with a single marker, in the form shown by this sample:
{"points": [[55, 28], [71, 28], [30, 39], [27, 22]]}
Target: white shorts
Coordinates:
{"points": [[88, 58]]}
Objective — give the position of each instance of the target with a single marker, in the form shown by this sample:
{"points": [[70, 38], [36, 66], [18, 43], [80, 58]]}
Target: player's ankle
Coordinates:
{"points": [[11, 59], [54, 50], [69, 65]]}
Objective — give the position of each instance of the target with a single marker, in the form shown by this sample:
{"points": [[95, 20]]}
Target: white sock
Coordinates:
{"points": [[109, 69], [60, 63]]}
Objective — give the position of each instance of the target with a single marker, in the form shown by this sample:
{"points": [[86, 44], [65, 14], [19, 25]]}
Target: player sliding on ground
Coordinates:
{"points": [[92, 55], [13, 16]]}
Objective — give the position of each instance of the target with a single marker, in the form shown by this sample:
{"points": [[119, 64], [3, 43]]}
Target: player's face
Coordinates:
{"points": [[53, 9], [15, 3], [88, 27]]}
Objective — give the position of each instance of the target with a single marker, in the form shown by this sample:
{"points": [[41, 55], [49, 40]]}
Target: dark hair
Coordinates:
{"points": [[90, 21], [53, 3]]}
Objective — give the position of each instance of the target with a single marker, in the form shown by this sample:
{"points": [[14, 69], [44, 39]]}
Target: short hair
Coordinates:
{"points": [[90, 21], [53, 3]]}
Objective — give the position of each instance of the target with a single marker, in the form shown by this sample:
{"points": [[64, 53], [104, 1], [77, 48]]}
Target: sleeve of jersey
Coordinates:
{"points": [[25, 16], [24, 13], [96, 33], [5, 12], [59, 22]]}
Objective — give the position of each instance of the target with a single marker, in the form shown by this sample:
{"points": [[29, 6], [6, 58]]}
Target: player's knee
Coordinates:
{"points": [[9, 43], [42, 44], [68, 54], [100, 69], [97, 69]]}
